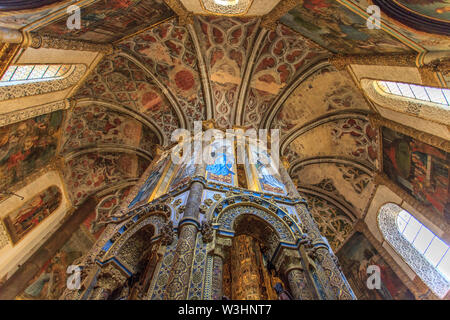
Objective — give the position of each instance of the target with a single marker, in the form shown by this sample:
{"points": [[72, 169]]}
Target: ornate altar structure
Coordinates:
{"points": [[231, 228]]}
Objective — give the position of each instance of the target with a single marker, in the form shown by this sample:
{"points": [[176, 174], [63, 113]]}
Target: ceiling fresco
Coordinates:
{"points": [[110, 20], [164, 76], [335, 27]]}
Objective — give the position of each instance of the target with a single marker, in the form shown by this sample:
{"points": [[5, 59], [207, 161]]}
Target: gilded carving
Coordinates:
{"points": [[207, 232], [167, 234]]}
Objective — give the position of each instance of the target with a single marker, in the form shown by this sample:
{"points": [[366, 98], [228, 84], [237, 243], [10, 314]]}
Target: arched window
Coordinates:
{"points": [[33, 73], [29, 80], [430, 94], [419, 247]]}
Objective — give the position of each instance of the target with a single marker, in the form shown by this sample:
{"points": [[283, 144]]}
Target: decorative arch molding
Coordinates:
{"points": [[102, 148], [420, 109], [412, 18], [387, 224], [311, 190], [184, 123], [157, 215], [299, 130], [32, 112], [16, 5], [227, 210], [149, 123], [300, 163], [304, 75], [26, 89], [205, 79], [238, 112]]}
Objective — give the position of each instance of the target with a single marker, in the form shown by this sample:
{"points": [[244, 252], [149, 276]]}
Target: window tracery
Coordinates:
{"points": [[421, 249], [28, 80]]}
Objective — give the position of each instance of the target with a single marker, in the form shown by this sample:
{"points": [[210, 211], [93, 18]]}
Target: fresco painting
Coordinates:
{"points": [[147, 189], [222, 169], [436, 9], [185, 172], [26, 218], [27, 146], [268, 176], [113, 21], [355, 256], [51, 281], [338, 29], [420, 169]]}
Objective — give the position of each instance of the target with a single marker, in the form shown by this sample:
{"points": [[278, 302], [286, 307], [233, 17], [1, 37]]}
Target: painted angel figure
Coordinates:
{"points": [[220, 167], [266, 172]]}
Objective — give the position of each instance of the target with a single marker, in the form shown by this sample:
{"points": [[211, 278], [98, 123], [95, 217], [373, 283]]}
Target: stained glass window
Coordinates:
{"points": [[437, 95], [17, 74]]}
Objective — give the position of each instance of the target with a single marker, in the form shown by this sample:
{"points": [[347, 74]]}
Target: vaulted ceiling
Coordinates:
{"points": [[165, 74]]}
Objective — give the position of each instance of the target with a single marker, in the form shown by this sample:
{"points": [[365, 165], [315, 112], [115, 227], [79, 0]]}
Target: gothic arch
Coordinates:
{"points": [[157, 216], [309, 70], [302, 129], [226, 211], [184, 123], [141, 117]]}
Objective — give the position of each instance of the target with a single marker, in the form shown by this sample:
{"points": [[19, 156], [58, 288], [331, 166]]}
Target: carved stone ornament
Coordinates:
{"points": [[217, 196], [167, 234], [207, 231]]}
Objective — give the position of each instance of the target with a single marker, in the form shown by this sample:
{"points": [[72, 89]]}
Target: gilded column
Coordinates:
{"points": [[177, 286]]}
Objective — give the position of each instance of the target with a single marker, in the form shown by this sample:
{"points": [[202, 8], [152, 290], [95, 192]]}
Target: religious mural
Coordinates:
{"points": [[109, 20], [26, 218], [150, 184], [222, 170], [268, 175], [28, 145], [355, 256], [51, 281], [420, 169], [185, 172], [338, 29], [438, 9]]}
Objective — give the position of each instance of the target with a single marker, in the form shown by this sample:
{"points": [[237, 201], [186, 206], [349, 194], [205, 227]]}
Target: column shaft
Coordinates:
{"points": [[298, 283], [178, 282], [217, 278]]}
